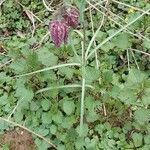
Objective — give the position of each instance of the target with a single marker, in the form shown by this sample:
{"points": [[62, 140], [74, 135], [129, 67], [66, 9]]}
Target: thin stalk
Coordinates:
{"points": [[128, 59], [83, 72], [97, 31], [82, 106], [83, 91], [135, 60], [73, 49], [49, 9], [96, 55], [136, 50], [93, 38]]}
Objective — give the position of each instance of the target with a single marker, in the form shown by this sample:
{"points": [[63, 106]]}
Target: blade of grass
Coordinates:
{"points": [[49, 68], [62, 87]]}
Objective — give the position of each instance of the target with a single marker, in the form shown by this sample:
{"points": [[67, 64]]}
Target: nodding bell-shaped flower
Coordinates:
{"points": [[59, 32], [71, 16]]}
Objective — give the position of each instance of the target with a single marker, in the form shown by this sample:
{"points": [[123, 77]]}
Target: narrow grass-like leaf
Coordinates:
{"points": [[62, 87], [49, 68]]}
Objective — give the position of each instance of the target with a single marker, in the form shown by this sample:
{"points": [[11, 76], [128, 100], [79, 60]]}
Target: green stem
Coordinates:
{"points": [[82, 101], [83, 72]]}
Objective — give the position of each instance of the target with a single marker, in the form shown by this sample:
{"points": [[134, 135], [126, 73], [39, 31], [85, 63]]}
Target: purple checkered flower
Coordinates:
{"points": [[71, 16], [59, 32]]}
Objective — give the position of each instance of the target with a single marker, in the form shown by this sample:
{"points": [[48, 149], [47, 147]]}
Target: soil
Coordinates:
{"points": [[18, 139]]}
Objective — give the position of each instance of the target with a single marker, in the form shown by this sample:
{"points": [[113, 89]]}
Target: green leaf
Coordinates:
{"points": [[32, 61], [135, 77], [137, 139], [4, 99], [115, 91], [47, 58], [58, 117], [18, 116], [5, 147], [127, 96], [46, 118], [68, 107], [147, 139], [146, 97], [122, 41], [9, 4], [142, 116], [84, 131], [145, 147], [4, 78], [146, 44], [111, 143], [41, 144], [24, 93], [68, 122], [108, 76], [79, 143], [67, 71], [108, 46], [34, 106], [45, 104], [42, 131], [3, 125], [53, 129], [61, 147], [91, 106], [92, 74], [19, 66], [91, 144]]}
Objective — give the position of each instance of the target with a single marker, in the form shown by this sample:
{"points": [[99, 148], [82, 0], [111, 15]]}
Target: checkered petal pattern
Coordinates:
{"points": [[71, 16], [59, 32]]}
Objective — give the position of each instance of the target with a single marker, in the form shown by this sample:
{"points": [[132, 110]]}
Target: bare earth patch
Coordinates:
{"points": [[18, 139]]}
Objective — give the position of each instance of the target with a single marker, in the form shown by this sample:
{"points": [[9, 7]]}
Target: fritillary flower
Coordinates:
{"points": [[71, 16], [59, 32]]}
